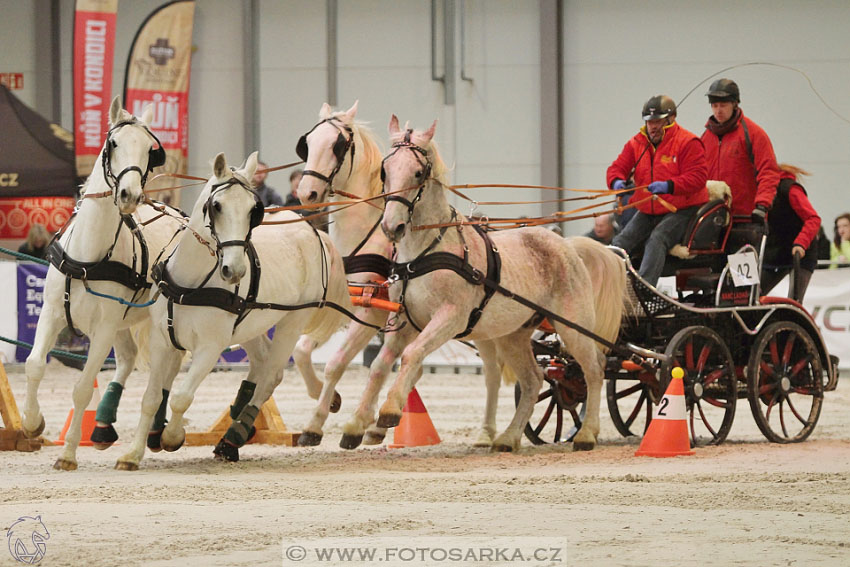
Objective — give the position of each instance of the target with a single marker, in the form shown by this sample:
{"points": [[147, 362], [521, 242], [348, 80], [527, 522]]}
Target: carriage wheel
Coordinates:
{"points": [[632, 397], [711, 386], [784, 382], [560, 408]]}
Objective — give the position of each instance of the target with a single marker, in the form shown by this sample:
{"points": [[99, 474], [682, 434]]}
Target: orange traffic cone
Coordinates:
{"points": [[667, 435], [415, 428], [88, 420]]}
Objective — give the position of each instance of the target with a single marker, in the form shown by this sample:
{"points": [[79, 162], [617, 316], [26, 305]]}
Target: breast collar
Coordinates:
{"points": [[105, 269], [429, 262]]}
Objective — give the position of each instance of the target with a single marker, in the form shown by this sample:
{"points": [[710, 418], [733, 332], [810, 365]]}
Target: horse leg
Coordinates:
{"points": [[444, 325], [203, 361], [303, 357], [515, 350], [50, 323], [492, 381], [104, 435], [592, 363], [356, 340], [273, 360], [100, 343], [364, 415]]}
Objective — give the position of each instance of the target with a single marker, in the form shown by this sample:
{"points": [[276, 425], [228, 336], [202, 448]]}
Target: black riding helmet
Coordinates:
{"points": [[723, 90], [658, 107]]}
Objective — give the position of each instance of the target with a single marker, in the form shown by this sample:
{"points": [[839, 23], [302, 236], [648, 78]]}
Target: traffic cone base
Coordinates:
{"points": [[667, 435], [88, 420], [415, 428]]}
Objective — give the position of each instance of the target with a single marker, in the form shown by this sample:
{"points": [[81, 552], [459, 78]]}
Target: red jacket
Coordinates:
{"points": [[679, 158], [728, 160]]}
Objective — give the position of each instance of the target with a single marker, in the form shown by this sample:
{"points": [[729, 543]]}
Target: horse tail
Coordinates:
{"points": [[326, 321], [608, 274]]}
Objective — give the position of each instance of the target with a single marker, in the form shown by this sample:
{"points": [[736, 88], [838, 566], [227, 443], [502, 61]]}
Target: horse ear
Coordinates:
{"points": [[220, 165], [147, 114], [429, 133], [115, 110], [326, 111], [394, 129], [348, 116], [250, 166]]}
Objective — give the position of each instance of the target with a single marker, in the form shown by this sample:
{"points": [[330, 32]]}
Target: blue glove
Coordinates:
{"points": [[659, 187], [618, 184]]}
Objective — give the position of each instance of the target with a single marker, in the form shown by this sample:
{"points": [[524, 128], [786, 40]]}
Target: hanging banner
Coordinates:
{"points": [[18, 215], [158, 74], [94, 48]]}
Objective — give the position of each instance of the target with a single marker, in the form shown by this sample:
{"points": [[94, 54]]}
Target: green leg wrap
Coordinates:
{"points": [[159, 420], [107, 409], [240, 429], [246, 392]]}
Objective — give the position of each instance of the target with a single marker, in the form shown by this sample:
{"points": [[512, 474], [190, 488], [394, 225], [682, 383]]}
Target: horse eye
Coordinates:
{"points": [[217, 207], [418, 174]]}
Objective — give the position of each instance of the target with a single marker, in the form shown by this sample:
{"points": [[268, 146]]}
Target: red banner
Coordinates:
{"points": [[158, 73], [18, 215], [94, 48]]}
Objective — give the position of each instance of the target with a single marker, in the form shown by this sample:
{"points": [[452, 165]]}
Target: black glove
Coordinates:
{"points": [[759, 215]]}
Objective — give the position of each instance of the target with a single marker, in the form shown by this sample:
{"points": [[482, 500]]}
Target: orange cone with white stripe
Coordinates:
{"points": [[415, 428], [88, 420], [667, 435]]}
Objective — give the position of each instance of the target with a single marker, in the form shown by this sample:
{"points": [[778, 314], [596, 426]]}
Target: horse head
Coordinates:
{"points": [[405, 173], [230, 210], [324, 150], [131, 151]]}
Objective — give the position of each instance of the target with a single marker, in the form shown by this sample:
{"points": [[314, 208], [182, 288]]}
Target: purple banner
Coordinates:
{"points": [[30, 296]]}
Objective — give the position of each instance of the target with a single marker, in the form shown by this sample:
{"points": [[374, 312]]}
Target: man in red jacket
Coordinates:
{"points": [[739, 152], [668, 163]]}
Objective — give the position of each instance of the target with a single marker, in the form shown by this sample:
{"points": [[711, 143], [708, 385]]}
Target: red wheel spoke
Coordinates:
{"points": [[705, 422], [774, 351], [559, 425], [689, 354], [713, 376], [716, 403], [635, 411], [800, 365], [545, 419], [766, 368], [782, 420], [789, 346], [769, 407], [794, 411], [767, 388], [703, 356], [629, 391], [543, 395], [805, 391]]}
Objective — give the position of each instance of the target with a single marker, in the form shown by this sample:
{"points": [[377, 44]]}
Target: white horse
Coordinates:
{"points": [[349, 156], [99, 245], [446, 275], [207, 303]]}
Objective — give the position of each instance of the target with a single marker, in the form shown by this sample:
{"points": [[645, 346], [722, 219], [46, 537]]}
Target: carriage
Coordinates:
{"points": [[731, 343]]}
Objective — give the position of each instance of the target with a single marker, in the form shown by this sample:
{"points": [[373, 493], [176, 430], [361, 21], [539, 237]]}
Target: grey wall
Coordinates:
{"points": [[616, 55]]}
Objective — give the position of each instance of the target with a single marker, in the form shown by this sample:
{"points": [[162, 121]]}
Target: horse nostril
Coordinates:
{"points": [[225, 272], [313, 196], [399, 231], [123, 194]]}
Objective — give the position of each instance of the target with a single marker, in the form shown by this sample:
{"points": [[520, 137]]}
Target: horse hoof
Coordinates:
{"points": [[350, 441], [336, 403], [126, 466], [309, 439], [171, 447], [103, 437], [374, 438], [388, 420], [502, 448], [583, 446], [155, 441], [38, 430], [65, 465], [225, 451]]}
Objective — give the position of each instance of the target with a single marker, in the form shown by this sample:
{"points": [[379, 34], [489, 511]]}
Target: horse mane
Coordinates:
{"points": [[371, 155]]}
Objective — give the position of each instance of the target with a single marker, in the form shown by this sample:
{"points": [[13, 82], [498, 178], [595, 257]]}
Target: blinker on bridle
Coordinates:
{"points": [[156, 158], [340, 149], [420, 153]]}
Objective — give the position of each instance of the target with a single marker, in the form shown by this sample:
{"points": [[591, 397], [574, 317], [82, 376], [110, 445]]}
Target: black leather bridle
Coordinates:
{"points": [[340, 148], [156, 158], [421, 154]]}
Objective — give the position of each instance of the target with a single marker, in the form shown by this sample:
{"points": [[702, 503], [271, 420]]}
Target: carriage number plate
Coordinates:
{"points": [[744, 269]]}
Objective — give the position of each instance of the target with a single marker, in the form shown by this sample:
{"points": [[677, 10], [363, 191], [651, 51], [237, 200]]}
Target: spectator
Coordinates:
{"points": [[745, 158], [267, 194], [839, 250], [604, 229], [292, 199], [668, 163], [37, 240], [793, 226]]}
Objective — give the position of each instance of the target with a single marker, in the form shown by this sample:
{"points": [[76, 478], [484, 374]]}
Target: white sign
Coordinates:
{"points": [[744, 269]]}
